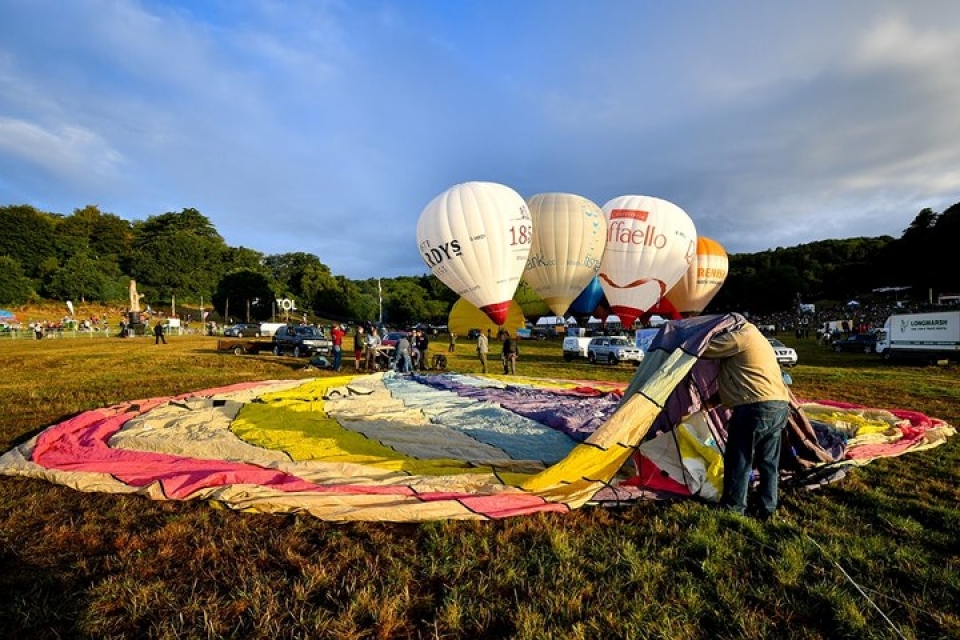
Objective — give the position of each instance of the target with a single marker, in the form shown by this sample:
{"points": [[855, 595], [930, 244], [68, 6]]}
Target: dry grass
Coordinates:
{"points": [[92, 565]]}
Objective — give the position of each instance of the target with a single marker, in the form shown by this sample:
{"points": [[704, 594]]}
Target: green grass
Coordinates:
{"points": [[101, 566]]}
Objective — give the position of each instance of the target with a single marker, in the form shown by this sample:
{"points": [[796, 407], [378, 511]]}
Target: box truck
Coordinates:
{"points": [[930, 336]]}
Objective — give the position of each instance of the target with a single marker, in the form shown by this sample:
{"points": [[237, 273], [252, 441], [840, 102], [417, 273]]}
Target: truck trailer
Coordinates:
{"points": [[931, 336]]}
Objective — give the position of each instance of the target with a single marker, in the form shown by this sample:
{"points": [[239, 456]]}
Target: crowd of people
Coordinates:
{"points": [[409, 351], [827, 324]]}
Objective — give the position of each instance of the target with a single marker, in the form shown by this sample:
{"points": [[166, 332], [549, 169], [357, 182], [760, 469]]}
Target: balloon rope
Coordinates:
{"points": [[857, 587]]}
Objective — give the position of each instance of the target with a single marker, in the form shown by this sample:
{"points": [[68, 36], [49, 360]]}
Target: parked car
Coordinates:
{"points": [[301, 341], [243, 331], [859, 342], [392, 338], [786, 356], [543, 333], [473, 334], [613, 350]]}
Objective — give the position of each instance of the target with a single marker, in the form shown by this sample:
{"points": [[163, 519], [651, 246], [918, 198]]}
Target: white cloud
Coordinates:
{"points": [[770, 123], [68, 152]]}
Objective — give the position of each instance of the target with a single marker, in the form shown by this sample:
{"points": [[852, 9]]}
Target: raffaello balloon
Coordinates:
{"points": [[650, 245]]}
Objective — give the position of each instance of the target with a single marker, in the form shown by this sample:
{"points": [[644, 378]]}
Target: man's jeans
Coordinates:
{"points": [[753, 435], [337, 356], [402, 363]]}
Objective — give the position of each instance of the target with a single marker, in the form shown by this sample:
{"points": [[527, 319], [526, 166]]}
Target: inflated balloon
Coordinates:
{"points": [[586, 303], [464, 316], [703, 279], [568, 239], [650, 245], [475, 237]]}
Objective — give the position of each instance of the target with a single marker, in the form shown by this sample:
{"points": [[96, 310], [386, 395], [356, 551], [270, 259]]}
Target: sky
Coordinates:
{"points": [[326, 127]]}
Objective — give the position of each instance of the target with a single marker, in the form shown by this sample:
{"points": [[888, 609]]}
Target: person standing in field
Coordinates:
{"points": [[510, 353], [422, 343], [452, 347], [158, 336], [358, 344], [750, 385], [337, 334], [483, 347], [371, 346], [401, 355]]}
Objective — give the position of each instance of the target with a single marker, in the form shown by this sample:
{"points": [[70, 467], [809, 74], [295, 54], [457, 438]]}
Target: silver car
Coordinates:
{"points": [[613, 350], [786, 356]]}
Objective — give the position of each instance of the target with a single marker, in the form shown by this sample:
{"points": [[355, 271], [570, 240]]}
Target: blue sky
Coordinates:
{"points": [[326, 127]]}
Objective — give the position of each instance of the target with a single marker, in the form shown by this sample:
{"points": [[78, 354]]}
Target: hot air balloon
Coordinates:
{"points": [[589, 298], [464, 316], [568, 239], [475, 237], [703, 279], [650, 244], [587, 302]]}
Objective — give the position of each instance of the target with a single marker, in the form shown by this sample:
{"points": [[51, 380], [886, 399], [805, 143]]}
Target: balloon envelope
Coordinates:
{"points": [[569, 233], [465, 316], [586, 303], [475, 237], [650, 244], [703, 279]]}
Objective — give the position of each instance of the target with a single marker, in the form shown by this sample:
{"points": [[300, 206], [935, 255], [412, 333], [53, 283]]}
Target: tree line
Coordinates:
{"points": [[918, 265], [90, 256]]}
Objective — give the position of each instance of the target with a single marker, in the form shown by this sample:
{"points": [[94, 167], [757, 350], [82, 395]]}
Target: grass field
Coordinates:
{"points": [[873, 556]]}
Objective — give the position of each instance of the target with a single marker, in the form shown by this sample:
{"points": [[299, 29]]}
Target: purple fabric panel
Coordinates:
{"points": [[572, 413]]}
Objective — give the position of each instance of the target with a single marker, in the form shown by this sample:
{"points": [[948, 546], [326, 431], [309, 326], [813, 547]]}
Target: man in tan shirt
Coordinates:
{"points": [[751, 385]]}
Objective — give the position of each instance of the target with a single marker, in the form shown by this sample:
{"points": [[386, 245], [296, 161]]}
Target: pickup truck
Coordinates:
{"points": [[241, 346]]}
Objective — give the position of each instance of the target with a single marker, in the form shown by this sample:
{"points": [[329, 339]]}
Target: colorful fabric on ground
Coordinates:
{"points": [[450, 446]]}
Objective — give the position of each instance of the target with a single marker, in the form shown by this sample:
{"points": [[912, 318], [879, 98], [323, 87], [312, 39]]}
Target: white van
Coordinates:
{"points": [[267, 329], [931, 336]]}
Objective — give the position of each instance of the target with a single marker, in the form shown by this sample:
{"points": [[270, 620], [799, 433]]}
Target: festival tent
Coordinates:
{"points": [[446, 446], [555, 321]]}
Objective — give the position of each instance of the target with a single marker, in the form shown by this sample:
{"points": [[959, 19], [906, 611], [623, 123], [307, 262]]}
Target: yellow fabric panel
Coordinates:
{"points": [[853, 422], [307, 396], [691, 448], [315, 436], [584, 471], [631, 422]]}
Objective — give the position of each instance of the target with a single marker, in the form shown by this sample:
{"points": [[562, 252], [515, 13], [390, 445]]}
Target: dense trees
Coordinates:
{"points": [[25, 234], [91, 255], [246, 294], [177, 254], [826, 269], [14, 286]]}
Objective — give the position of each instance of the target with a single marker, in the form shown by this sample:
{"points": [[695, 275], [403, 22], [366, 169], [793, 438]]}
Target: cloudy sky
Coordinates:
{"points": [[327, 126]]}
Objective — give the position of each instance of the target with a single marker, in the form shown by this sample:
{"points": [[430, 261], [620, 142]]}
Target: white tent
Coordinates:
{"points": [[555, 321]]}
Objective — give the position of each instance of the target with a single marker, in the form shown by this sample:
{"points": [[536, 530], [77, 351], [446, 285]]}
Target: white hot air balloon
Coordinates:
{"points": [[569, 233], [475, 237], [650, 244]]}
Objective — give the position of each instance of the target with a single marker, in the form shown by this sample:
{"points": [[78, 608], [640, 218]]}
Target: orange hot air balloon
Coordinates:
{"points": [[707, 272]]}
